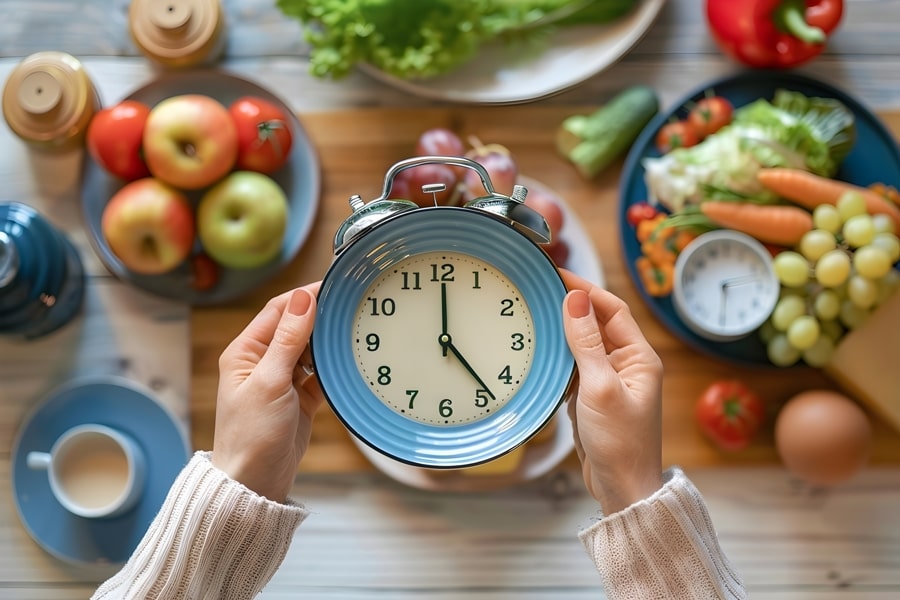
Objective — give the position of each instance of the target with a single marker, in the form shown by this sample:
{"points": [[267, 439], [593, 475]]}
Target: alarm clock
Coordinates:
{"points": [[439, 339], [724, 285]]}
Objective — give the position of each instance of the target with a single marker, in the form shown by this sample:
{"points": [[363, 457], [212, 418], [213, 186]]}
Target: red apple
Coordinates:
{"points": [[190, 141], [149, 226], [242, 219]]}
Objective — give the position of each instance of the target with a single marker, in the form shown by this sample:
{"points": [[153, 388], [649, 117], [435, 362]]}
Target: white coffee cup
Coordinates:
{"points": [[95, 471]]}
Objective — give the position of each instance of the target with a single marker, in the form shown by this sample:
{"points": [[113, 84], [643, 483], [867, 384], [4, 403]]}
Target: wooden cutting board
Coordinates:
{"points": [[355, 149]]}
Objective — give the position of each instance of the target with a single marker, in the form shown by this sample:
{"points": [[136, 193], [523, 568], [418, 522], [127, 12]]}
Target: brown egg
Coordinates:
{"points": [[823, 437]]}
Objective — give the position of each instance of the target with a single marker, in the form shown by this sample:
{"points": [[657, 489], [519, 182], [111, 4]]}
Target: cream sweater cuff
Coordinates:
{"points": [[662, 547], [212, 538]]}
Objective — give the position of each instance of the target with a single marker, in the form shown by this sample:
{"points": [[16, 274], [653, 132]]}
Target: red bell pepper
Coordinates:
{"points": [[775, 34]]}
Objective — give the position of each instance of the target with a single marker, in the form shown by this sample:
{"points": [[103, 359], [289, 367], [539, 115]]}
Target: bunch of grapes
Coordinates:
{"points": [[840, 271], [462, 184]]}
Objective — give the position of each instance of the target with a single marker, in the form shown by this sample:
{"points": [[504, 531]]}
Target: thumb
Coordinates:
{"points": [[584, 337], [292, 334]]}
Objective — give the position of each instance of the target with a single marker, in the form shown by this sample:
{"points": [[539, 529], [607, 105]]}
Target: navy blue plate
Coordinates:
{"points": [[875, 157], [119, 404]]}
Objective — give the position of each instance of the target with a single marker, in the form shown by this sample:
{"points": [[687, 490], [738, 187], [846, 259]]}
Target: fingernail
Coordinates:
{"points": [[299, 302], [579, 304]]}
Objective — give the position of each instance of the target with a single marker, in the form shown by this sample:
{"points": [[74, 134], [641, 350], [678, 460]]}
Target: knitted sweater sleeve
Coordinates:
{"points": [[212, 538], [662, 547]]}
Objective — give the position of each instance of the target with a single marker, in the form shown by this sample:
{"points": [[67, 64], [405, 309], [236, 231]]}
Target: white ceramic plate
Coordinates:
{"points": [[538, 458], [501, 75]]}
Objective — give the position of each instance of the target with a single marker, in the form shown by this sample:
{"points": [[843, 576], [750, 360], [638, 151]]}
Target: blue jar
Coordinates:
{"points": [[41, 274]]}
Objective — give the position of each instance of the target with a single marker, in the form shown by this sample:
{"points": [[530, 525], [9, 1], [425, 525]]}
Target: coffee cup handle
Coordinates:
{"points": [[39, 461]]}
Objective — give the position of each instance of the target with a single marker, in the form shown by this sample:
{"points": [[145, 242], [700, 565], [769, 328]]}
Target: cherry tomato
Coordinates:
{"points": [[730, 414], [710, 114], [639, 211], [264, 134], [204, 272], [676, 134], [114, 139]]}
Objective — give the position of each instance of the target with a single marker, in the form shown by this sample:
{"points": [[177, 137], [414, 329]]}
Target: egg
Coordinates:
{"points": [[823, 437]]}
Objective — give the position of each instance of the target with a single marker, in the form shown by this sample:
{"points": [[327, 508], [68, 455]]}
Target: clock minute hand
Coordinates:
{"points": [[447, 344], [443, 318]]}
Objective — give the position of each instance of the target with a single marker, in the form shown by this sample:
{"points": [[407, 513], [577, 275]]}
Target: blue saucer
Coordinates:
{"points": [[111, 401]]}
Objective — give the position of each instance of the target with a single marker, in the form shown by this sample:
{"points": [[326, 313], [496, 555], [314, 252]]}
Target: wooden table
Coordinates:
{"points": [[371, 536]]}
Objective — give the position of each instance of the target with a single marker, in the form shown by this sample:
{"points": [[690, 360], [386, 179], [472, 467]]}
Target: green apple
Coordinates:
{"points": [[149, 226], [242, 219]]}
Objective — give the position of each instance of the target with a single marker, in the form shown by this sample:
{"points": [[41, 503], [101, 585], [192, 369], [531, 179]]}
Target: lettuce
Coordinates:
{"points": [[791, 130]]}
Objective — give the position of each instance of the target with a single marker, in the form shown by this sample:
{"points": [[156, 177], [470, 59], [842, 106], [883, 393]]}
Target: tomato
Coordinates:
{"points": [[676, 134], [114, 139], [205, 272], [730, 414], [710, 114], [264, 134], [640, 211]]}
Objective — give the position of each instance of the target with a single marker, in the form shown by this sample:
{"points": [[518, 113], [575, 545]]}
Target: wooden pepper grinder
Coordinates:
{"points": [[178, 33], [48, 101]]}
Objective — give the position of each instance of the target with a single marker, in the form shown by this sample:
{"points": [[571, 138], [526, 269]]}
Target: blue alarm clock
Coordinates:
{"points": [[439, 339]]}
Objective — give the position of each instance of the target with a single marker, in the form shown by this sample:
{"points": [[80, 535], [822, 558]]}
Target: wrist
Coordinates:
{"points": [[615, 494]]}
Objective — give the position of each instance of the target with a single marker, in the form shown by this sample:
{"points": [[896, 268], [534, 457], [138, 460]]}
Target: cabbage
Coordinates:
{"points": [[792, 130]]}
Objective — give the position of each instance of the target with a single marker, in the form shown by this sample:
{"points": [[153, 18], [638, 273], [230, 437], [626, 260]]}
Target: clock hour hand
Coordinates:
{"points": [[729, 283], [447, 344]]}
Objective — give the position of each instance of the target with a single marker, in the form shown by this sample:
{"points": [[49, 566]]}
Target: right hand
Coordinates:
{"points": [[617, 413]]}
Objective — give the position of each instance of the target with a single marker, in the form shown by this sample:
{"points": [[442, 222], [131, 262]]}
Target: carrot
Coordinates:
{"points": [[810, 190], [774, 224]]}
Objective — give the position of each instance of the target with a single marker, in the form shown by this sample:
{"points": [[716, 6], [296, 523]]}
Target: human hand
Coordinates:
{"points": [[266, 401], [616, 414]]}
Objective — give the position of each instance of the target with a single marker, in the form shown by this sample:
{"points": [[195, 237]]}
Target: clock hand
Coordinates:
{"points": [[443, 317], [739, 280], [447, 343]]}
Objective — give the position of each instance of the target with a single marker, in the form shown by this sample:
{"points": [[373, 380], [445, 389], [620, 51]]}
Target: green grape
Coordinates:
{"points": [[819, 353], [831, 329], [872, 262], [833, 268], [780, 351], [858, 230], [767, 331], [815, 243], [851, 315], [861, 291], [827, 218], [888, 285], [786, 310], [827, 304], [888, 242], [791, 268], [883, 223], [803, 332], [851, 204]]}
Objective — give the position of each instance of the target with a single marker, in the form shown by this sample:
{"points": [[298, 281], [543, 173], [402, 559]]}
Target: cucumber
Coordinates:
{"points": [[592, 142]]}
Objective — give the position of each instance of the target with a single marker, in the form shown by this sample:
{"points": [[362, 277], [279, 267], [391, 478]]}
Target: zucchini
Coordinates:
{"points": [[592, 142]]}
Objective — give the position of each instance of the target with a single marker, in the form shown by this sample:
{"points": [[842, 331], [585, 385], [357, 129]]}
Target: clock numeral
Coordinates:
{"points": [[518, 342], [505, 375], [373, 342], [386, 307], [506, 307], [445, 408], [410, 280], [476, 285], [384, 375], [481, 397], [446, 272], [412, 397]]}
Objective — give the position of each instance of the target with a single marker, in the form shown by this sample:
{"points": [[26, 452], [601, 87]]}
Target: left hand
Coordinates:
{"points": [[266, 402]]}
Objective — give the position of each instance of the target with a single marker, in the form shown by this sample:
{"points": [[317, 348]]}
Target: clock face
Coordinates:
{"points": [[424, 353], [725, 286], [432, 390]]}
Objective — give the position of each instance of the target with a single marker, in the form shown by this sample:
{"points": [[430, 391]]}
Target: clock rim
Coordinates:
{"points": [[462, 230], [679, 303]]}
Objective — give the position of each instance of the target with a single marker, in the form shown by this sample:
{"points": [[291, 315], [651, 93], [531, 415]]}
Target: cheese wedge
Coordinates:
{"points": [[866, 363]]}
